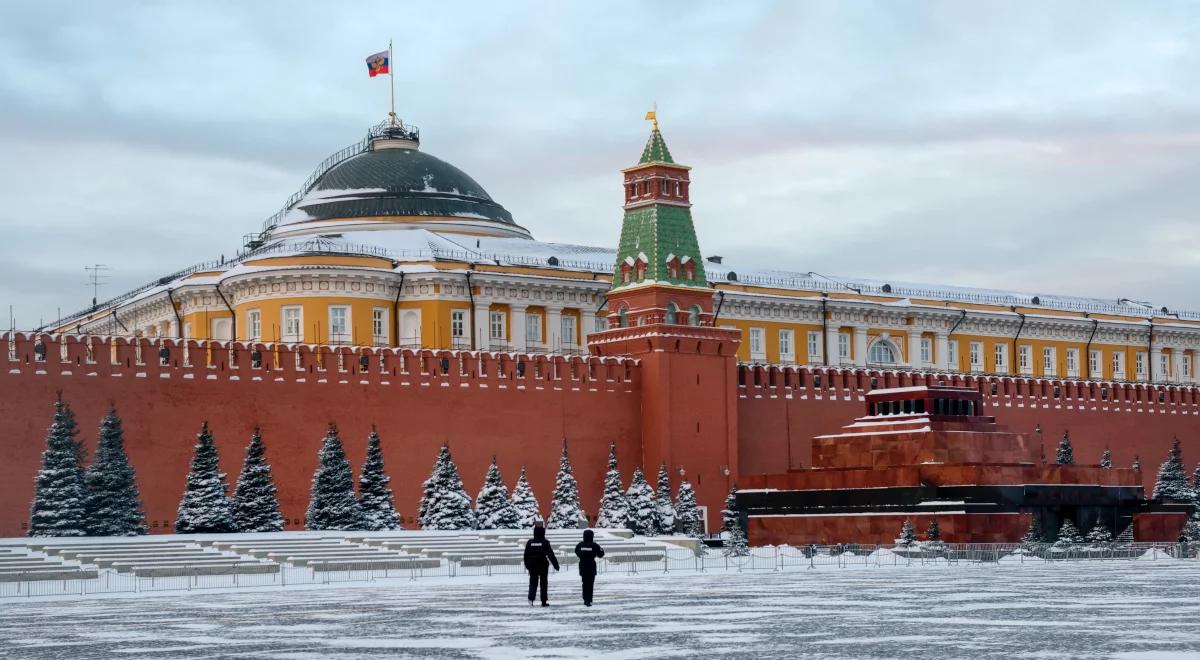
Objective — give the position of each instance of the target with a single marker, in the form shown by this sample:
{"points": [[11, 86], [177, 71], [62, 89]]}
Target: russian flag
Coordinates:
{"points": [[378, 63]]}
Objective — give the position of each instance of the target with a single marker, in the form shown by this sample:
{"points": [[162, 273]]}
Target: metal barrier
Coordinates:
{"points": [[651, 560]]}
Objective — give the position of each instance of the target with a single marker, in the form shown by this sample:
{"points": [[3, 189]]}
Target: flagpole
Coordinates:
{"points": [[392, 82]]}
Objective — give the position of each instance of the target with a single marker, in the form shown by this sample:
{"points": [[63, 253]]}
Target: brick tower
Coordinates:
{"points": [[661, 312]]}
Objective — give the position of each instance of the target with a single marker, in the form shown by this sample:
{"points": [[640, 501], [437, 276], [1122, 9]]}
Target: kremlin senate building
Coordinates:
{"points": [[391, 292]]}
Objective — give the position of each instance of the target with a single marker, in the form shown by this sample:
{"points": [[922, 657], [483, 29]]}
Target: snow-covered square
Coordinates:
{"points": [[1086, 609]]}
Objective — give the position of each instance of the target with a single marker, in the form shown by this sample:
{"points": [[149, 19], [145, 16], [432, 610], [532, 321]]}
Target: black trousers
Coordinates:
{"points": [[589, 581], [540, 577]]}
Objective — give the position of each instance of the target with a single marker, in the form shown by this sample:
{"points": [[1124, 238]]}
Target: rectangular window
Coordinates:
{"points": [[292, 322], [1025, 359], [601, 324], [976, 356], [926, 350], [1186, 366], [1048, 360], [339, 324], [1164, 365], [254, 324], [952, 354], [458, 323], [568, 330], [379, 325], [496, 328], [1140, 364], [843, 346], [1118, 365], [814, 347], [1073, 363], [1094, 365], [533, 328], [786, 348], [1000, 358], [757, 349]]}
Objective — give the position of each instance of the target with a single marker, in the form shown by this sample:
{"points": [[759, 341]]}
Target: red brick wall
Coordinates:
{"points": [[522, 420], [883, 529]]}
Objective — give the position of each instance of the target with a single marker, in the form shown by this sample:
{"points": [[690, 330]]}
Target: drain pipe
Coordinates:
{"points": [[824, 328], [471, 298], [396, 309], [232, 314], [178, 319], [1014, 341], [1087, 351], [1150, 352], [962, 317], [720, 302]]}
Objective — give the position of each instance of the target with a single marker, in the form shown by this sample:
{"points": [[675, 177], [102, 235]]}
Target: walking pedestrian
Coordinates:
{"points": [[538, 558], [588, 552]]}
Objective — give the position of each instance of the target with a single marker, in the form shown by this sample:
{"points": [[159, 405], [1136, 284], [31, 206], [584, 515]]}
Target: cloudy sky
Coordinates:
{"points": [[1046, 147]]}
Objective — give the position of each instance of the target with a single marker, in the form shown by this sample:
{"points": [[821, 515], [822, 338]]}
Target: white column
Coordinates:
{"points": [[860, 346], [587, 322], [941, 358], [516, 324], [831, 345], [1177, 364], [1155, 366], [482, 318], [914, 348], [553, 328]]}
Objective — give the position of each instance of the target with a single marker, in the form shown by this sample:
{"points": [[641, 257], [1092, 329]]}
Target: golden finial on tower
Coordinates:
{"points": [[652, 116]]}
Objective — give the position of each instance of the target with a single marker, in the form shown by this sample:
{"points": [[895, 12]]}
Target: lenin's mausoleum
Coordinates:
{"points": [[392, 291]]}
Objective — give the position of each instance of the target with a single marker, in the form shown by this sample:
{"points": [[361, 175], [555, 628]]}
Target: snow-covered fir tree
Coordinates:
{"points": [[333, 504], [1191, 531], [493, 509], [1065, 455], [1068, 535], [1099, 535], [933, 534], [429, 488], [255, 498], [1106, 459], [1171, 484], [448, 506], [111, 502], [687, 514], [374, 494], [613, 506], [642, 517], [525, 503], [565, 512], [908, 535], [1033, 537], [731, 524], [205, 508], [58, 506], [662, 498], [1196, 485]]}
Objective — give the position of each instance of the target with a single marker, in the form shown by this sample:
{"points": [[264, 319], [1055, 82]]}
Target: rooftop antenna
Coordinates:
{"points": [[96, 277]]}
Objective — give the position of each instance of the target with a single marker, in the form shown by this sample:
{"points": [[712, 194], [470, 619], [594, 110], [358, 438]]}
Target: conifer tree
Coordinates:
{"points": [[493, 509], [374, 495], [58, 499], [1191, 531], [1099, 535], [642, 518], [111, 501], [1196, 485], [1106, 459], [1065, 455], [934, 533], [255, 498], [525, 503], [1172, 483], [429, 488], [448, 506], [1033, 537], [908, 536], [333, 504], [565, 512], [205, 508], [731, 523], [687, 514], [666, 510], [613, 506], [1068, 535]]}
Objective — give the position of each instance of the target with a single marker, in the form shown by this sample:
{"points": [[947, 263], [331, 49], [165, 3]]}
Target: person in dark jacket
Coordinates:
{"points": [[588, 552], [538, 558]]}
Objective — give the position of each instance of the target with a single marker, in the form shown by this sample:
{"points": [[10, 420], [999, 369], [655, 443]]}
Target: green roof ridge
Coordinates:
{"points": [[656, 149]]}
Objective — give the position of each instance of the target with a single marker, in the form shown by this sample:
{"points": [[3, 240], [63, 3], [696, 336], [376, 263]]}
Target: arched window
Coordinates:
{"points": [[883, 352], [623, 317], [694, 315], [672, 313]]}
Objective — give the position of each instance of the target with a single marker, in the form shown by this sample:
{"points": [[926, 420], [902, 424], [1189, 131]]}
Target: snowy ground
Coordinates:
{"points": [[1118, 609]]}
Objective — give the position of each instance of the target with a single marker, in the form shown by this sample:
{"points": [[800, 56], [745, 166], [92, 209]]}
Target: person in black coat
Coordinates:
{"points": [[588, 552], [538, 558]]}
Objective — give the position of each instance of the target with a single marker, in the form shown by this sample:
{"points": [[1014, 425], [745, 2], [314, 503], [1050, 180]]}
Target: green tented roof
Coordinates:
{"points": [[656, 149]]}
